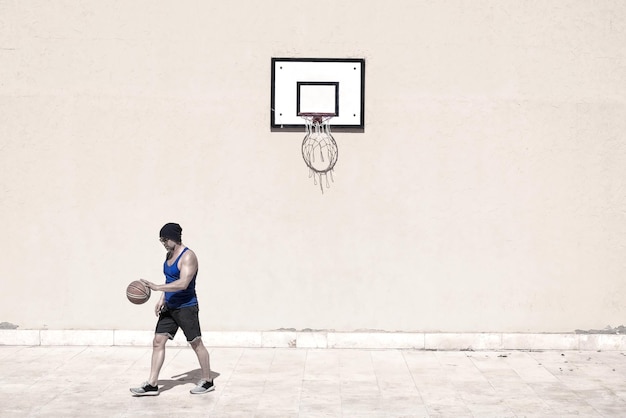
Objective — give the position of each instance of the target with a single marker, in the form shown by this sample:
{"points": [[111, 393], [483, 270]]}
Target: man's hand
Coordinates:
{"points": [[149, 285], [159, 306]]}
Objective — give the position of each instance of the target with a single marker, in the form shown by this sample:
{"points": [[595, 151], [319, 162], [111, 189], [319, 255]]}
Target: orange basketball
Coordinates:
{"points": [[137, 292]]}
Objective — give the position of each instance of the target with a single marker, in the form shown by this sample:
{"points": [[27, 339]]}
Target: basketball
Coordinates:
{"points": [[137, 292]]}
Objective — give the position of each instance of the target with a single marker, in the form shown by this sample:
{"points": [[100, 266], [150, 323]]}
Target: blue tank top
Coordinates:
{"points": [[181, 298]]}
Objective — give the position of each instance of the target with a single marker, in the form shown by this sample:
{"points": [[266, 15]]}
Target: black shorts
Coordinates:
{"points": [[184, 318]]}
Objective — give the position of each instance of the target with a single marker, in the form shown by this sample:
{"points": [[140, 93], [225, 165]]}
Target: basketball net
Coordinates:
{"points": [[319, 148]]}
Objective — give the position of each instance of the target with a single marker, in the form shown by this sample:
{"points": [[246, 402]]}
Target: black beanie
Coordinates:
{"points": [[171, 231]]}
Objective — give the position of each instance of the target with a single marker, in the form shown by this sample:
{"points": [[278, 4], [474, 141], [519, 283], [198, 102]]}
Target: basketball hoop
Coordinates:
{"points": [[319, 148]]}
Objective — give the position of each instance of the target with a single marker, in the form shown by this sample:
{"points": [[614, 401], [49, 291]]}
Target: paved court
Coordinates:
{"points": [[94, 381]]}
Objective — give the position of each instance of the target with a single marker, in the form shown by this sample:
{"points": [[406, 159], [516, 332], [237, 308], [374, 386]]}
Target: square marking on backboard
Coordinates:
{"points": [[317, 97], [318, 85]]}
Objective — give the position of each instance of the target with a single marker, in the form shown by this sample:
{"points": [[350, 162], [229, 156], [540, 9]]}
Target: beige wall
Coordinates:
{"points": [[485, 194]]}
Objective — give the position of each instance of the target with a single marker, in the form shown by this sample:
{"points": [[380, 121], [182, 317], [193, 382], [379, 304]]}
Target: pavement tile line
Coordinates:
{"points": [[411, 374], [227, 384]]}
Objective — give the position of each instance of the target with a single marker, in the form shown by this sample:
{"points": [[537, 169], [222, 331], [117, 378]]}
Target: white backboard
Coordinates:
{"points": [[318, 85]]}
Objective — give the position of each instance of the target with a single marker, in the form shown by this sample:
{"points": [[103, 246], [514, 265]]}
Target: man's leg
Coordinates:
{"points": [[203, 358], [187, 319], [158, 357]]}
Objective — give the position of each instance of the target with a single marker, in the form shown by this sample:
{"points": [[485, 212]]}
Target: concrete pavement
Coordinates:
{"points": [[62, 381]]}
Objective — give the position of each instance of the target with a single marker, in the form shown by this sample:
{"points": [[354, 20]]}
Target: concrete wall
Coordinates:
{"points": [[486, 193]]}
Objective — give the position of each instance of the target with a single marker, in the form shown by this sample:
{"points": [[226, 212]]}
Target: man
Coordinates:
{"points": [[177, 308]]}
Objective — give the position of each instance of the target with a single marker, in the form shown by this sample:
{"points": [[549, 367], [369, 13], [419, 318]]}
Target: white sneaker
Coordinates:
{"points": [[203, 386], [146, 389]]}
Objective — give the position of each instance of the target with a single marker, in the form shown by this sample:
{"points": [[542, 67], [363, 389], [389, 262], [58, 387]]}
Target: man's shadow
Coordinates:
{"points": [[190, 377]]}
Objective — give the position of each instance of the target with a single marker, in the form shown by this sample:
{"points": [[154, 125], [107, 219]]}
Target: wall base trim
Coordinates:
{"points": [[328, 339]]}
